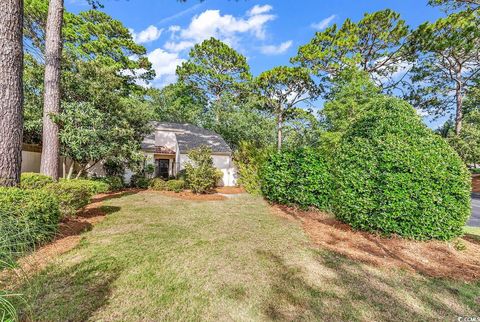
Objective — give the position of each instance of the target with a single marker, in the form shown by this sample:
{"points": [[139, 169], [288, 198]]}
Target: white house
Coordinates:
{"points": [[167, 148]]}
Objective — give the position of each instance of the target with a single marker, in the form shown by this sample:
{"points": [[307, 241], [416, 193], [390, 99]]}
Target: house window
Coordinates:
{"points": [[162, 167]]}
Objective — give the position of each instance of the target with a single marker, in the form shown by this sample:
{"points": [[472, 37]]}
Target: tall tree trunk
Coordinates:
{"points": [[53, 52], [11, 91], [279, 130], [459, 99]]}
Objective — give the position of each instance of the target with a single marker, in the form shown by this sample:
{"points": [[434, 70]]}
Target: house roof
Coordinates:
{"points": [[188, 137]]}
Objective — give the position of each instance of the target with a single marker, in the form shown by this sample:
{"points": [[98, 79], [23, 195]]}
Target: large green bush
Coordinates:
{"points": [[30, 180], [201, 175], [297, 177], [27, 218], [395, 176], [72, 195]]}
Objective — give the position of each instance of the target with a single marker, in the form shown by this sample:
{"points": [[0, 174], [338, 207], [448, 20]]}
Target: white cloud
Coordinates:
{"points": [[150, 34], [258, 10], [211, 23], [178, 46], [276, 50], [324, 23], [164, 64]]}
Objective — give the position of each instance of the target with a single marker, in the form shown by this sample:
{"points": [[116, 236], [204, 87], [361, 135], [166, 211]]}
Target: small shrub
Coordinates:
{"points": [[27, 218], [30, 180], [175, 185], [139, 181], [72, 195], [158, 184], [201, 175], [395, 176], [297, 177], [95, 186], [115, 183]]}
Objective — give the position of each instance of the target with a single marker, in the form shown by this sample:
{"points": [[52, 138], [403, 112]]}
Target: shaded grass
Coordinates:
{"points": [[160, 258]]}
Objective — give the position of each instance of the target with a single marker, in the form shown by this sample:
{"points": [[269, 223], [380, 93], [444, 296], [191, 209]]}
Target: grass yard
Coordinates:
{"points": [[162, 258]]}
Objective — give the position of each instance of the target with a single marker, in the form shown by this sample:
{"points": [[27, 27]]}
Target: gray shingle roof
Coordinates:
{"points": [[189, 137]]}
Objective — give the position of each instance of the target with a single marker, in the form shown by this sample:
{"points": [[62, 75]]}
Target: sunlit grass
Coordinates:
{"points": [[160, 258]]}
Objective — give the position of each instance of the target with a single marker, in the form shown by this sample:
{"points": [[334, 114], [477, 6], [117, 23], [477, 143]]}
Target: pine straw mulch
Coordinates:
{"points": [[476, 183], [230, 190], [431, 258]]}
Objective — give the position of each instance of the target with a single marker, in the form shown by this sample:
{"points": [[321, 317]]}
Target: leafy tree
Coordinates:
{"points": [[455, 4], [105, 115], [351, 93], [447, 63], [178, 103], [215, 69], [375, 44], [283, 89], [11, 93], [240, 121]]}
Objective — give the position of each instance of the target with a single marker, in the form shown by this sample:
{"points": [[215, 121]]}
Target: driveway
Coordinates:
{"points": [[475, 219]]}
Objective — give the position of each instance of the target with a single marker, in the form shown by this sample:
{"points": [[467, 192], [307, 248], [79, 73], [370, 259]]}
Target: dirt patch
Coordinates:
{"points": [[432, 258], [188, 195], [230, 190], [476, 183]]}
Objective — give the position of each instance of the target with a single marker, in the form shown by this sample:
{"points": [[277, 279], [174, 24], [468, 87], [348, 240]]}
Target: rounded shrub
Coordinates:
{"points": [[175, 185], [95, 186], [395, 176], [27, 218], [297, 177], [115, 182], [139, 181], [72, 195], [30, 180], [158, 184]]}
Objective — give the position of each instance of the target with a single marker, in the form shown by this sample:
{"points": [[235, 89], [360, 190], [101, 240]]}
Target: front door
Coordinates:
{"points": [[162, 168]]}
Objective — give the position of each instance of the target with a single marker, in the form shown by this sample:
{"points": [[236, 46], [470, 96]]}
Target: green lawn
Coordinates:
{"points": [[159, 258]]}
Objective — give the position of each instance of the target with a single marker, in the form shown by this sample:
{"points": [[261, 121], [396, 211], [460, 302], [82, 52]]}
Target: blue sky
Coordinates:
{"points": [[268, 32]]}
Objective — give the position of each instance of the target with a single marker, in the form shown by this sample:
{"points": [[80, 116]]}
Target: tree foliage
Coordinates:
{"points": [[375, 44], [104, 110], [214, 68], [282, 89], [447, 63]]}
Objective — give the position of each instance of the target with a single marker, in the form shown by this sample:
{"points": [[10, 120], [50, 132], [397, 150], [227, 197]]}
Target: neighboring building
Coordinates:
{"points": [[167, 148]]}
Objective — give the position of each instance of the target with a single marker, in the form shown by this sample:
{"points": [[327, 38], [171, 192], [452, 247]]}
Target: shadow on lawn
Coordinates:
{"points": [[351, 293], [69, 294]]}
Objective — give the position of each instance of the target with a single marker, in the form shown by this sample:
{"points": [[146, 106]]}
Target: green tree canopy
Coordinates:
{"points": [[214, 68], [375, 44], [282, 89], [447, 63]]}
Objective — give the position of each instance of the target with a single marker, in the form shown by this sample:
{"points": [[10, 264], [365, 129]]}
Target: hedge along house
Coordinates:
{"points": [[168, 146]]}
